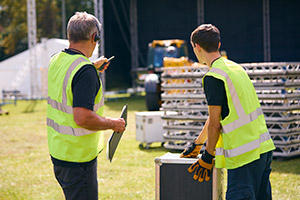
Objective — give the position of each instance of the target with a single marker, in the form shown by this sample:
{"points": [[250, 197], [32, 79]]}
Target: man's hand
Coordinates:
{"points": [[119, 125], [99, 62], [202, 168], [192, 151]]}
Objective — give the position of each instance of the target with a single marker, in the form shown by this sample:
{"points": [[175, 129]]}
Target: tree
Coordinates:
{"points": [[48, 19], [13, 21], [73, 6]]}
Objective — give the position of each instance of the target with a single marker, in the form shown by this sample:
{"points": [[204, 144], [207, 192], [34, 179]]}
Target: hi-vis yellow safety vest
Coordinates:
{"points": [[66, 140], [244, 134]]}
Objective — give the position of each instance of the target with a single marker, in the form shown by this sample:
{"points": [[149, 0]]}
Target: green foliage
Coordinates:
{"points": [[73, 6], [13, 17], [48, 19], [26, 170], [13, 21]]}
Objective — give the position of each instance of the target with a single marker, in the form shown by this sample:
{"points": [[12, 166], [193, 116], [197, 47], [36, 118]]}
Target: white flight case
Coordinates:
{"points": [[174, 182], [149, 127]]}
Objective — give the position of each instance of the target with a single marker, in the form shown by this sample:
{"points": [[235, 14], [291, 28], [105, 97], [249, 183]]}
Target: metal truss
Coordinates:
{"points": [[287, 150], [176, 145], [283, 127], [284, 139], [277, 86], [190, 125], [181, 135]]}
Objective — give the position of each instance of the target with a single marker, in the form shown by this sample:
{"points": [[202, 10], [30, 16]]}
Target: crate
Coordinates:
{"points": [[173, 181], [149, 126]]}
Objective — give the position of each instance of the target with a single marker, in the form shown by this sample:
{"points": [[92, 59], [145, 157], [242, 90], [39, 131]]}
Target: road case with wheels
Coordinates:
{"points": [[149, 127]]}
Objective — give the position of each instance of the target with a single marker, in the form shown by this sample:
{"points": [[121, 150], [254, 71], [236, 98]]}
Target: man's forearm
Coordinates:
{"points": [[211, 133], [91, 121], [203, 134], [213, 128], [94, 122], [213, 137]]}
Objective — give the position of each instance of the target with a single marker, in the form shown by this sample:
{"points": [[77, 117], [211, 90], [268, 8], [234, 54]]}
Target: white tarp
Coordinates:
{"points": [[15, 71]]}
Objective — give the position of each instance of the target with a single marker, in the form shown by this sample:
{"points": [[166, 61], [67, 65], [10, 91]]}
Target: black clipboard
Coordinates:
{"points": [[115, 138]]}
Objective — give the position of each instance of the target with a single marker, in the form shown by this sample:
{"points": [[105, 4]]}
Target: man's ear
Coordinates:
{"points": [[219, 45], [93, 38], [198, 47]]}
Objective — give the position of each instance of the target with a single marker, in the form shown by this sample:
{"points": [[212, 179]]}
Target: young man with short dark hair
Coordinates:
{"points": [[237, 135]]}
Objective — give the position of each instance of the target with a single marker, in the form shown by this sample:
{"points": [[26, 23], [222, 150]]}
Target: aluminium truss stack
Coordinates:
{"points": [[183, 95], [278, 89]]}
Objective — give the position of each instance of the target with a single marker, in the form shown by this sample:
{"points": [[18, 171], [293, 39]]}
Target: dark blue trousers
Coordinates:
{"points": [[78, 183], [251, 181]]}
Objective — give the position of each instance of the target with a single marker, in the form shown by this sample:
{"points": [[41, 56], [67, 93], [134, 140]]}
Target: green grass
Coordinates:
{"points": [[26, 170]]}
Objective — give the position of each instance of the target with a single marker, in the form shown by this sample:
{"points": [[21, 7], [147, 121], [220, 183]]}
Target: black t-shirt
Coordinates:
{"points": [[85, 86], [215, 94]]}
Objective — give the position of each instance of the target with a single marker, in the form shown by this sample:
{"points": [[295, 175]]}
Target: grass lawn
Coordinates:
{"points": [[26, 170]]}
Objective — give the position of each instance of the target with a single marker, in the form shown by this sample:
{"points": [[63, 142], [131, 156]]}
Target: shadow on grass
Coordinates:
{"points": [[30, 106], [156, 148], [290, 165], [136, 103], [152, 149]]}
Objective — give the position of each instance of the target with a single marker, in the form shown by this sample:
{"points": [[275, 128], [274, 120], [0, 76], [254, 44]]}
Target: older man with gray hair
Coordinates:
{"points": [[75, 110]]}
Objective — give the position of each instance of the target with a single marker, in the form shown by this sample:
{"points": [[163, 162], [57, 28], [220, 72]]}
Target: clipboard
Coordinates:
{"points": [[115, 138]]}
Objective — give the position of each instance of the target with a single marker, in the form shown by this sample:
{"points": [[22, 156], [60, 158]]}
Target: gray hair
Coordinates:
{"points": [[82, 26]]}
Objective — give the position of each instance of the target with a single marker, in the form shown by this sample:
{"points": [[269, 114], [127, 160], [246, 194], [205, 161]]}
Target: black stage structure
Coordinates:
{"points": [[251, 30]]}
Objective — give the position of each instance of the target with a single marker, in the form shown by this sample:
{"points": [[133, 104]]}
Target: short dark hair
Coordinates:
{"points": [[207, 36]]}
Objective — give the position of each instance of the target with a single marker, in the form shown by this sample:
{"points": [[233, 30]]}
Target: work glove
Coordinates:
{"points": [[192, 151], [202, 168]]}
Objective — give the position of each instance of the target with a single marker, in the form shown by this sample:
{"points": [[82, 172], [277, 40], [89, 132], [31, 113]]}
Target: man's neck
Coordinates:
{"points": [[80, 47], [211, 57]]}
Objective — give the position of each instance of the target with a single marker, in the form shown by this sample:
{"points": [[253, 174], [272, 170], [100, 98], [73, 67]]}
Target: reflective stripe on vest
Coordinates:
{"points": [[69, 109], [68, 74], [235, 99], [244, 148], [67, 129], [242, 120]]}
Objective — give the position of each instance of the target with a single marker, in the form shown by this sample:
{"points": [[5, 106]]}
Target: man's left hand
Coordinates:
{"points": [[192, 151], [202, 168], [100, 62]]}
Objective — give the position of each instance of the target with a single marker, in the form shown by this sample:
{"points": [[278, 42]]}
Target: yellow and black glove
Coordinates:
{"points": [[192, 151], [202, 168]]}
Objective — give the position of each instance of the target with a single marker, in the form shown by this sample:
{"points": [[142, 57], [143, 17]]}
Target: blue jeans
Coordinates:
{"points": [[251, 181], [78, 183]]}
